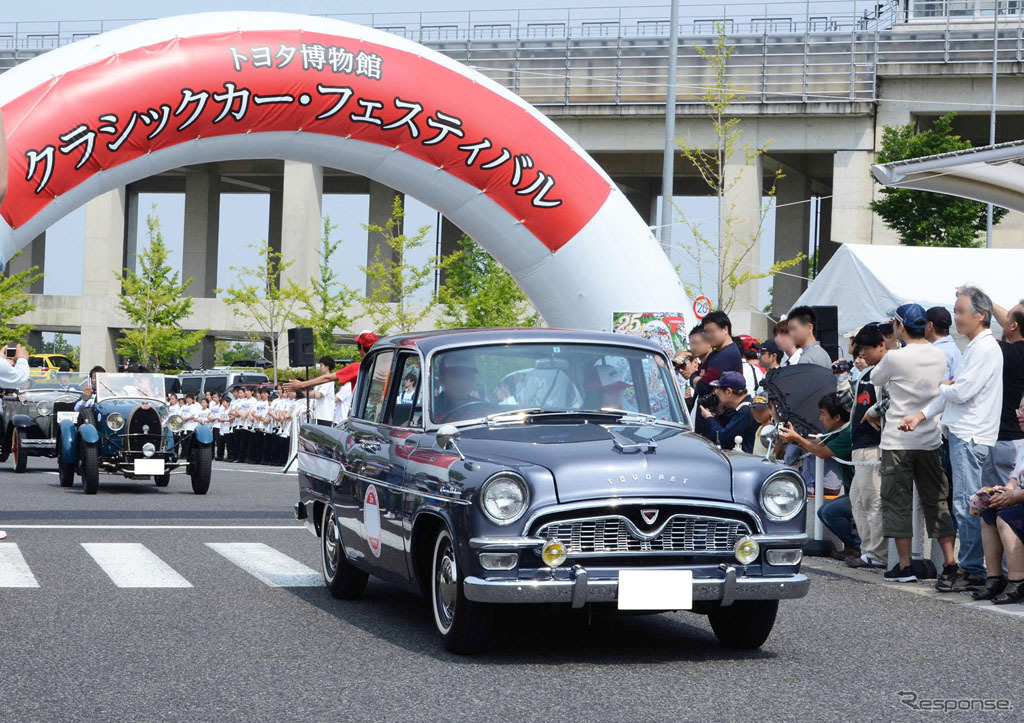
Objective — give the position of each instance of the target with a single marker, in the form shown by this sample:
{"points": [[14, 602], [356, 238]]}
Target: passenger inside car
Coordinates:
{"points": [[457, 378]]}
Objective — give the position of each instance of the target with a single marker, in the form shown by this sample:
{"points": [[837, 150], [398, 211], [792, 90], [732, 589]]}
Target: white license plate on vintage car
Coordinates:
{"points": [[149, 466], [70, 416], [655, 589]]}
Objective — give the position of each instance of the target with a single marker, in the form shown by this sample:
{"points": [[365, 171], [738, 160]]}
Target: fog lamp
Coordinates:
{"points": [[746, 550], [554, 553], [784, 557], [148, 449]]}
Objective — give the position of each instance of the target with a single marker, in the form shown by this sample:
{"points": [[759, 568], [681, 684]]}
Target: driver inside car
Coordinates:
{"points": [[457, 378], [607, 388]]}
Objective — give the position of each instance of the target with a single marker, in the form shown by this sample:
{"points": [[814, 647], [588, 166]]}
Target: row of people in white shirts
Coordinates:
{"points": [[247, 410], [330, 405]]}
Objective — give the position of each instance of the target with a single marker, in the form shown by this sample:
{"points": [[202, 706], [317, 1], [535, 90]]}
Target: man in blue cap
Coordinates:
{"points": [[912, 457], [734, 420]]}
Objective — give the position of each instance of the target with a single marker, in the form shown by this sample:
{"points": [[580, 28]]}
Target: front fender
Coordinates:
{"points": [[203, 434], [89, 434], [22, 421], [68, 442]]}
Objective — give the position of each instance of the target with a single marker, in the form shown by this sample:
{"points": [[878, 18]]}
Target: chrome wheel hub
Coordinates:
{"points": [[447, 584]]}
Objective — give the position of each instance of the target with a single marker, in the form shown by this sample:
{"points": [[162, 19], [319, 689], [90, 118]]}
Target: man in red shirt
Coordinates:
{"points": [[346, 375]]}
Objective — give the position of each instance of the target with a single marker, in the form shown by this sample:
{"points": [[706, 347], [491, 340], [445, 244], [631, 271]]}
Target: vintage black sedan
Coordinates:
{"points": [[494, 467], [126, 428], [32, 415]]}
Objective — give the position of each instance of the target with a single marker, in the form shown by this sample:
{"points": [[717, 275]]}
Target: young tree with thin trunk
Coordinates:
{"points": [[478, 291], [326, 308], [155, 303]]}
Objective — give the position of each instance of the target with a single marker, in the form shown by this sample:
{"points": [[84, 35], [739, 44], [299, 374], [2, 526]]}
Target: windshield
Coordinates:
{"points": [[475, 382], [111, 386], [60, 381]]}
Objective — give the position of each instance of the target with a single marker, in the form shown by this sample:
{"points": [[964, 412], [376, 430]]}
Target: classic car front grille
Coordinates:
{"points": [[615, 535], [136, 437]]}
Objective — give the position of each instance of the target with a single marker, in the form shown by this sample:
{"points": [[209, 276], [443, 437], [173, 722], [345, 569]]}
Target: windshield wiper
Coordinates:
{"points": [[518, 415], [629, 417]]}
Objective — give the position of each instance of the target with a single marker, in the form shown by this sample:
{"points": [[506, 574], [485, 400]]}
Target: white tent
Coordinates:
{"points": [[867, 282]]}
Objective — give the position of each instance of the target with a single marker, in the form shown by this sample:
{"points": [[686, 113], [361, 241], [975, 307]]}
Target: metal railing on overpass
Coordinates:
{"points": [[826, 51]]}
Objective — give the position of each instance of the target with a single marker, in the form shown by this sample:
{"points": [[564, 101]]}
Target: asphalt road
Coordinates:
{"points": [[220, 642]]}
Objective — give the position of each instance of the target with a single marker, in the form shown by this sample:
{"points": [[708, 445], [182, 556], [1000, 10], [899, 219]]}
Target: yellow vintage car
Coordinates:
{"points": [[41, 365]]}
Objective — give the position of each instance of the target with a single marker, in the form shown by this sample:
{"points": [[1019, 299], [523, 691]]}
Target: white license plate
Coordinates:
{"points": [[70, 416], [149, 466], [655, 589]]}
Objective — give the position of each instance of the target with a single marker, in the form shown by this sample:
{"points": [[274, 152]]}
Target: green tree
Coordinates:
{"points": [[155, 303], [393, 281], [326, 308], [15, 301], [478, 291], [230, 353], [60, 345], [264, 300], [729, 249], [921, 218]]}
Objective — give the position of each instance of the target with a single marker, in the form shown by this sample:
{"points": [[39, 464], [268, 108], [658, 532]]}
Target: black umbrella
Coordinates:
{"points": [[796, 390]]}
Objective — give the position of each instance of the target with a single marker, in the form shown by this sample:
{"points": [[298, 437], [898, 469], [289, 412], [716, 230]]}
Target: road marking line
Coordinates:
{"points": [[267, 564], [14, 571], [155, 527], [131, 564]]}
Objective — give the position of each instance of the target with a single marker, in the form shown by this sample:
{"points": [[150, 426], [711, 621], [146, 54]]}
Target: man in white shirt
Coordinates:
{"points": [[14, 373], [323, 395], [342, 403], [970, 406], [912, 457]]}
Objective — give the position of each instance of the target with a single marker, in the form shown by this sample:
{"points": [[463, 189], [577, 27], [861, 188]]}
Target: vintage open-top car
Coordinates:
{"points": [[32, 415], [127, 428], [494, 467]]}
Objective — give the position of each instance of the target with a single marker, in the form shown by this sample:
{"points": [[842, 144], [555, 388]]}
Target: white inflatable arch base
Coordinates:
{"points": [[141, 100]]}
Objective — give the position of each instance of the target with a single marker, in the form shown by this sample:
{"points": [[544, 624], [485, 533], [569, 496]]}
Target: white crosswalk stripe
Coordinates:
{"points": [[14, 571], [267, 564], [131, 564]]}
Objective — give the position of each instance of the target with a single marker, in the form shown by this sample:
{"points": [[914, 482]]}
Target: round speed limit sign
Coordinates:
{"points": [[701, 306]]}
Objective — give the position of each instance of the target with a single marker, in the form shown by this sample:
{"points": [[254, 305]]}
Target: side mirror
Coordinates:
{"points": [[769, 435], [447, 436]]}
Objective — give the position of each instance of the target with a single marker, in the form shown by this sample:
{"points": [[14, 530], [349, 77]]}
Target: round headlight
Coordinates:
{"points": [[115, 422], [148, 449], [746, 550], [783, 496], [43, 408], [175, 423], [504, 498]]}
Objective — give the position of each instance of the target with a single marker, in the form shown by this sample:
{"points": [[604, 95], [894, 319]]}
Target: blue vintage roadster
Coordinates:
{"points": [[489, 468], [126, 428]]}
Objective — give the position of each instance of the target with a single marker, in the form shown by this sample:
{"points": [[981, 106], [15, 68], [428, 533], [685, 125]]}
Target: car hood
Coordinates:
{"points": [[591, 461]]}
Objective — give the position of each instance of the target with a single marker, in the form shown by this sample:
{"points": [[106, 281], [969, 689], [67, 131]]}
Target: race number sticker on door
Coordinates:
{"points": [[371, 519]]}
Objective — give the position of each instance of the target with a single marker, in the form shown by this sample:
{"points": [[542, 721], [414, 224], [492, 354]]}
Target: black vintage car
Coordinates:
{"points": [[494, 467], [32, 416]]}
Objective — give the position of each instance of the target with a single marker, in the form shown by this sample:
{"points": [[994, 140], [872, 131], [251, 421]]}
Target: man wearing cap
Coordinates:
{"points": [[770, 355], [970, 406], [457, 375], [937, 332], [912, 458], [735, 419], [607, 388], [346, 375], [753, 373]]}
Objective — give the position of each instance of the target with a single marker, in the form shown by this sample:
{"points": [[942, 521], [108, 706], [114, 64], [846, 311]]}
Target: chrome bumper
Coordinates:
{"points": [[579, 589]]}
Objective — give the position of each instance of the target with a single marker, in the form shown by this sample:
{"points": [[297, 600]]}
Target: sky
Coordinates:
{"points": [[243, 217]]}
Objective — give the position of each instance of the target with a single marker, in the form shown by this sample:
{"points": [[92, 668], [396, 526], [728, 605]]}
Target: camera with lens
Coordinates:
{"points": [[842, 366]]}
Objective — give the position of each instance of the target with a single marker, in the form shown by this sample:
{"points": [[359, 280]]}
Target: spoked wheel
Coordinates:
{"points": [[344, 581], [90, 468], [464, 625], [20, 458]]}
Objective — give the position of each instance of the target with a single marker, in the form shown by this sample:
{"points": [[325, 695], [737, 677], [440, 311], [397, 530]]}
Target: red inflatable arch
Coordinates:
{"points": [[134, 102]]}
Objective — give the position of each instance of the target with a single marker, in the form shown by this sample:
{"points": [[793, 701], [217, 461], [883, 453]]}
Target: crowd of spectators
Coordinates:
{"points": [[911, 410]]}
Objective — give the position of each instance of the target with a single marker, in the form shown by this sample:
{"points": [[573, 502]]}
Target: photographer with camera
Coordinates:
{"points": [[14, 373]]}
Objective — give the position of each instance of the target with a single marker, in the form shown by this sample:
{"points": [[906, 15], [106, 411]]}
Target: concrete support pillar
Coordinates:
{"points": [[34, 340], [743, 198], [851, 197], [792, 237], [33, 254], [204, 357], [103, 251], [301, 219], [131, 231], [826, 246], [202, 228], [382, 199], [274, 220], [450, 237]]}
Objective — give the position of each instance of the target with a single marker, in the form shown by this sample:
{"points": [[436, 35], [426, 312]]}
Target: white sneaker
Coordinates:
{"points": [[3, 535]]}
